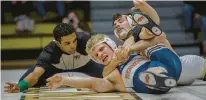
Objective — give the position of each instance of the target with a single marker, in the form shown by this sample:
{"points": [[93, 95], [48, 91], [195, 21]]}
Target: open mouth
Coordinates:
{"points": [[104, 58]]}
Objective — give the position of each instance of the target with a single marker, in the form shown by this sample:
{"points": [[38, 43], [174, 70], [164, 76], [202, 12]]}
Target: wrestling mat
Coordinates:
{"points": [[74, 94], [196, 91]]}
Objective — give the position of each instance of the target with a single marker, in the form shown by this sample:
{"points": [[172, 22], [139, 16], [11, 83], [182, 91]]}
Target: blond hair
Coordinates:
{"points": [[93, 41]]}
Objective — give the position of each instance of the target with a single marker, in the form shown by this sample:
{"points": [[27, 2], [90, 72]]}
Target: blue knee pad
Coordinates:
{"points": [[170, 60]]}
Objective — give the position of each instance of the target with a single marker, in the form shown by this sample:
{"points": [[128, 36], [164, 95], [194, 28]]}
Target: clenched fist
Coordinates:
{"points": [[137, 4]]}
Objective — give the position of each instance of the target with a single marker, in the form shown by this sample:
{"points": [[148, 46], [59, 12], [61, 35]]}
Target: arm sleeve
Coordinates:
{"points": [[44, 60], [45, 57]]}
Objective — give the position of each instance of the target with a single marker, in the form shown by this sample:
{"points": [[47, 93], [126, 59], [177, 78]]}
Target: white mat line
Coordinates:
{"points": [[86, 97]]}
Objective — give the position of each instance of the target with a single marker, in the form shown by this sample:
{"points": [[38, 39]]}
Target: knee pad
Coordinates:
{"points": [[192, 69]]}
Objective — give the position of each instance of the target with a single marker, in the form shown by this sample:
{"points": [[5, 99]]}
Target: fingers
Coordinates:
{"points": [[55, 78], [114, 55], [8, 83], [138, 3], [127, 51], [12, 91], [133, 8], [116, 52], [11, 86], [52, 85], [49, 85], [124, 51], [7, 87], [51, 78], [54, 81], [120, 51], [9, 91]]}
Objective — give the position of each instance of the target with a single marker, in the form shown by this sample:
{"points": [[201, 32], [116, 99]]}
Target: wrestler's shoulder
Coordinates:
{"points": [[82, 35], [51, 47]]}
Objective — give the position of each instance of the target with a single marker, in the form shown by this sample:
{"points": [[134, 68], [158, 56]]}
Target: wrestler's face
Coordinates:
{"points": [[102, 53], [69, 43], [121, 24], [144, 30]]}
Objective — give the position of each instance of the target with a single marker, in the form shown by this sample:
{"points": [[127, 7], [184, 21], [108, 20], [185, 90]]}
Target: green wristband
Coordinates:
{"points": [[23, 85]]}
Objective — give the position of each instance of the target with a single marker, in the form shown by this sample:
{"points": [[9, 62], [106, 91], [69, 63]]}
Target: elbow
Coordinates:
{"points": [[101, 90], [100, 86], [98, 89], [156, 18], [163, 35], [158, 39], [157, 21]]}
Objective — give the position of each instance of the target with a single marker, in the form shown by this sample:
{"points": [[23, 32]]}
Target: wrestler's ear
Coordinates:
{"points": [[57, 43], [144, 35]]}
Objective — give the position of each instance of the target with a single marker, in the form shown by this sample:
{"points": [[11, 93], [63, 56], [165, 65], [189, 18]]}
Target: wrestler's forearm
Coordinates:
{"points": [[96, 84], [143, 44], [110, 68], [148, 10], [78, 82], [33, 77], [140, 45]]}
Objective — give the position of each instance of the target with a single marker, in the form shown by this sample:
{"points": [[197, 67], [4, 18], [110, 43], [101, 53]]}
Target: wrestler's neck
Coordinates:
{"points": [[128, 36]]}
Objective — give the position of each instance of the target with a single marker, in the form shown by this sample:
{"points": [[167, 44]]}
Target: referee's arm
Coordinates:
{"points": [[34, 76]]}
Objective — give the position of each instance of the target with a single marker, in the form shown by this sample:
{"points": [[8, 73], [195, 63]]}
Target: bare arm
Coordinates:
{"points": [[143, 44], [30, 80], [116, 78], [111, 67], [34, 76], [96, 84], [120, 56]]}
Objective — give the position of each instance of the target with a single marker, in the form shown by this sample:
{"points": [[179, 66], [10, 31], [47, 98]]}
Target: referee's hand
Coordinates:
{"points": [[12, 88]]}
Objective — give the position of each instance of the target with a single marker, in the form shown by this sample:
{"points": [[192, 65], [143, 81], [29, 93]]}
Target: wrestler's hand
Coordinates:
{"points": [[137, 4], [12, 88], [55, 81], [121, 54]]}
